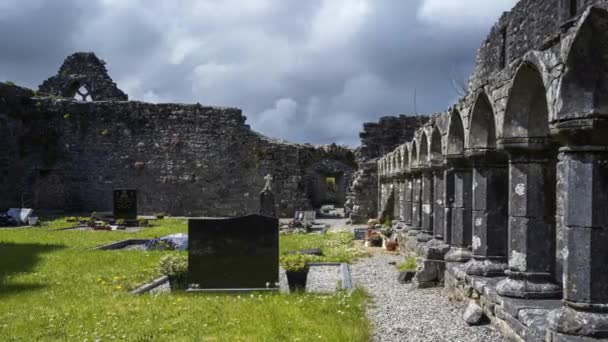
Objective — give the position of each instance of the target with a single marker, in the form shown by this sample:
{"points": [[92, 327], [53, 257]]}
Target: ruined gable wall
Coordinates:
{"points": [[183, 159]]}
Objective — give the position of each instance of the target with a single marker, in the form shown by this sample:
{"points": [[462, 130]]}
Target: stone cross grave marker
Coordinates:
{"points": [[233, 254], [267, 198], [125, 204]]}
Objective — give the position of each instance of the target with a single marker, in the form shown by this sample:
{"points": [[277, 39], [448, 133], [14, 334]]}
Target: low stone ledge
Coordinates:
{"points": [[518, 319]]}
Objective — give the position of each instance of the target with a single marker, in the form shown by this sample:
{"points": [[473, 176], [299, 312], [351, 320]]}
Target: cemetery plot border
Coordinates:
{"points": [[122, 244]]}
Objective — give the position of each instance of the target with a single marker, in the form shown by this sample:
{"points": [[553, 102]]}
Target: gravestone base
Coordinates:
{"points": [[232, 291]]}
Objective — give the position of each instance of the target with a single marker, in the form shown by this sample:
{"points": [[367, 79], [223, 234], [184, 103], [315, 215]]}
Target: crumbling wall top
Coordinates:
{"points": [[83, 76]]}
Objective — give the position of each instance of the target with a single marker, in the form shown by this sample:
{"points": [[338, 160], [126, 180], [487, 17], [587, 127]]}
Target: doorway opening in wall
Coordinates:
{"points": [[331, 184]]}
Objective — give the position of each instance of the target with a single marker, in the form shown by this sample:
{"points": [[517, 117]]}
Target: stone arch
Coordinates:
{"points": [[436, 145], [585, 82], [423, 155], [482, 133], [414, 152], [327, 182], [406, 159], [398, 159], [455, 134], [527, 114]]}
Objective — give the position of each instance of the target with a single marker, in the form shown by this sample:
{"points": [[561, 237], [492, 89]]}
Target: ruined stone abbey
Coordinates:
{"points": [[504, 195]]}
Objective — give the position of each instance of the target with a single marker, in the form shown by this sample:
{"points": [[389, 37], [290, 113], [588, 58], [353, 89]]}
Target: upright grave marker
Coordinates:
{"points": [[267, 198], [233, 254], [125, 204]]}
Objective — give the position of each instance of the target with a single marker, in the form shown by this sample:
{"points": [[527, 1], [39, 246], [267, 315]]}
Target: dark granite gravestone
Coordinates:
{"points": [[125, 204], [232, 254], [360, 233]]}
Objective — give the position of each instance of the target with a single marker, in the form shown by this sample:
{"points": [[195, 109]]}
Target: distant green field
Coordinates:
{"points": [[55, 287]]}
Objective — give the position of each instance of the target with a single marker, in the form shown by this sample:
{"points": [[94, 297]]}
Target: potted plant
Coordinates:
{"points": [[174, 266], [387, 234], [296, 267], [376, 240], [391, 245]]}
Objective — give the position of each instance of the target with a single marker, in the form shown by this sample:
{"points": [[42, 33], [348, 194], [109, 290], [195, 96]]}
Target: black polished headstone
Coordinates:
{"points": [[125, 204], [235, 253]]}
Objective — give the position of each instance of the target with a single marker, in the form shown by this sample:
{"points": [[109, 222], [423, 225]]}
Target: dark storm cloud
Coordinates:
{"points": [[307, 71]]}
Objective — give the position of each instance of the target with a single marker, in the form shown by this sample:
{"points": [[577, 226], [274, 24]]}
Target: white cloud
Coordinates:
{"points": [[309, 71], [459, 14]]}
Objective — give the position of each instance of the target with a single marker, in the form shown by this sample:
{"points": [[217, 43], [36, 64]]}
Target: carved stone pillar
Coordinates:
{"points": [[407, 211], [397, 204], [427, 182], [531, 224], [448, 204], [416, 226], [490, 214], [583, 174], [461, 212], [438, 203]]}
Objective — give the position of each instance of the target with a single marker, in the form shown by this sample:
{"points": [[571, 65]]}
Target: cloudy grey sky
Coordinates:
{"points": [[302, 70]]}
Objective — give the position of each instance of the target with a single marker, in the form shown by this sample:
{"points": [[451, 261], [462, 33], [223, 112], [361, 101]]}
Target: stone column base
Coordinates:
{"points": [[458, 254], [430, 273], [529, 286], [487, 267], [424, 237], [568, 323]]}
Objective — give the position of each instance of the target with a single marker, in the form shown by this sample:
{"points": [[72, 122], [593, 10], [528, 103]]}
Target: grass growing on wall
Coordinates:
{"points": [[54, 287]]}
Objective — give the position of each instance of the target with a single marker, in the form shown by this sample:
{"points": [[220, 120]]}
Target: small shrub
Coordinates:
{"points": [[387, 232], [295, 262], [388, 223], [143, 222], [160, 216], [173, 265], [408, 265], [104, 132], [72, 219], [120, 222]]}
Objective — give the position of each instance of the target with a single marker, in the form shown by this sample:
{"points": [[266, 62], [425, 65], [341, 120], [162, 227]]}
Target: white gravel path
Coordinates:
{"points": [[402, 313]]}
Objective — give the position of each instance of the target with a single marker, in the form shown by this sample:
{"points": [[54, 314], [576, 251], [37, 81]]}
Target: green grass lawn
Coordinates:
{"points": [[54, 287]]}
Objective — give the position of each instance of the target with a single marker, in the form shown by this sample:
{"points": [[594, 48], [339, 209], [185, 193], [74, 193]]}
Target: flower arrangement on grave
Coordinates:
{"points": [[160, 245], [296, 267], [375, 240], [174, 266]]}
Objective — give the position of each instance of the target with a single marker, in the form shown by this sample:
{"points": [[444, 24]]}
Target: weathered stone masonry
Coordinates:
{"points": [[505, 194], [59, 153]]}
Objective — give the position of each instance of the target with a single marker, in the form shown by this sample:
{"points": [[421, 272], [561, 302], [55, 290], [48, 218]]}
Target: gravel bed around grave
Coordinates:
{"points": [[321, 279], [402, 313], [136, 247]]}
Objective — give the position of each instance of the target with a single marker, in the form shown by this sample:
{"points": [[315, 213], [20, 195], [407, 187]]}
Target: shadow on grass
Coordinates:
{"points": [[21, 258]]}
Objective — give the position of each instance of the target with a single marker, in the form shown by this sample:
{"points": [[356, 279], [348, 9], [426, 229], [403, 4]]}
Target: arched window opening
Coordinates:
{"points": [[527, 111], [455, 135], [436, 148], [424, 150], [483, 128]]}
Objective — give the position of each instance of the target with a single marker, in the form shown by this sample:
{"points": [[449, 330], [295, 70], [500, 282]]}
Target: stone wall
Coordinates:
{"points": [[183, 159], [507, 189], [379, 138]]}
